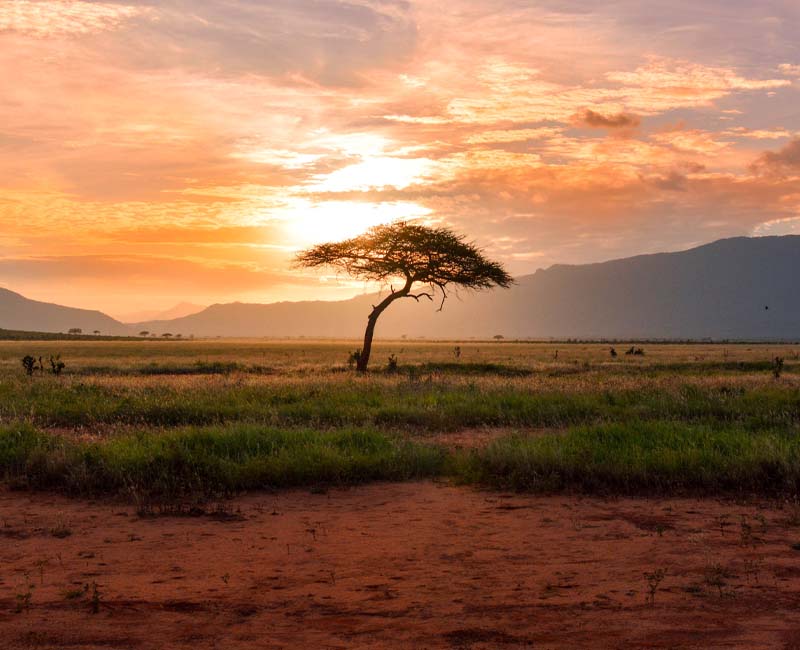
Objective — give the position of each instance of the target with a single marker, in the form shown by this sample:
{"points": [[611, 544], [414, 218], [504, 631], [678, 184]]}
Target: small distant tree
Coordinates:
{"points": [[74, 330], [96, 332], [166, 335], [424, 259], [498, 337], [144, 333]]}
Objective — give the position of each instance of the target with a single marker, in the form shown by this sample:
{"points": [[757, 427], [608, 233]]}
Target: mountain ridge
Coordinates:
{"points": [[20, 313], [735, 288]]}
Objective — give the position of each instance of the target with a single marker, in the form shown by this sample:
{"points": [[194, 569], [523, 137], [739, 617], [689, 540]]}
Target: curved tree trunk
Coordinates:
{"points": [[366, 349]]}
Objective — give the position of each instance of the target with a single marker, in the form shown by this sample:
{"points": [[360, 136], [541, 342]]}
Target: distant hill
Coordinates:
{"points": [[178, 311], [20, 313], [740, 288]]}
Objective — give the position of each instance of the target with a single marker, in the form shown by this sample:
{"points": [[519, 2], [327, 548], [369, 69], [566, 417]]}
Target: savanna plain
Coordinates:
{"points": [[480, 494]]}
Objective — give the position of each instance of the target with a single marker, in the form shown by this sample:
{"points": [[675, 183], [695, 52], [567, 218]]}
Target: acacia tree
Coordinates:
{"points": [[425, 259]]}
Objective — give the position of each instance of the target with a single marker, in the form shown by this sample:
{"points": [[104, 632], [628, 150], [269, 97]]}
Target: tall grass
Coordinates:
{"points": [[641, 458], [209, 461], [633, 458], [215, 417], [437, 405]]}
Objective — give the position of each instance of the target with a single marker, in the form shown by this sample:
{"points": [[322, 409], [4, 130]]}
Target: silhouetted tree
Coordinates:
{"points": [[144, 333], [96, 332], [436, 258], [75, 330], [166, 335]]}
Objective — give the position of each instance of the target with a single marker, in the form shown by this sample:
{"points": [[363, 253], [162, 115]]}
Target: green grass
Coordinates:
{"points": [[467, 369], [631, 459], [196, 368], [440, 405], [642, 458], [215, 417], [209, 461]]}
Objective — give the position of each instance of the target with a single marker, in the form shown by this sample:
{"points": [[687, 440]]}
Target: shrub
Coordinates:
{"points": [[29, 363], [56, 364]]}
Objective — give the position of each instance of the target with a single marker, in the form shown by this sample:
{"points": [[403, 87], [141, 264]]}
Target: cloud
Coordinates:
{"points": [[54, 18], [677, 179], [789, 69], [784, 161], [758, 134], [223, 133], [690, 79], [778, 227], [594, 120], [691, 141], [512, 135], [304, 42]]}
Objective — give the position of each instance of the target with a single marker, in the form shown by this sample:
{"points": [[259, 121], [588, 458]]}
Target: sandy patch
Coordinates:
{"points": [[417, 565]]}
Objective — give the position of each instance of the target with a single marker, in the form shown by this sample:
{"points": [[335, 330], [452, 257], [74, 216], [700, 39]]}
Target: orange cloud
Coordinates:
{"points": [[595, 120], [217, 142], [49, 18], [782, 162]]}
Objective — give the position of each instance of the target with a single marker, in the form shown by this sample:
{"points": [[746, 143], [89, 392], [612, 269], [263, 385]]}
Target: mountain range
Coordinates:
{"points": [[178, 311], [739, 288]]}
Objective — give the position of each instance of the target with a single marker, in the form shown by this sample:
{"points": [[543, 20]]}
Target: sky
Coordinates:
{"points": [[162, 151]]}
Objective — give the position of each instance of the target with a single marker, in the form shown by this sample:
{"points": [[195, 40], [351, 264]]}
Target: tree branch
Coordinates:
{"points": [[444, 293]]}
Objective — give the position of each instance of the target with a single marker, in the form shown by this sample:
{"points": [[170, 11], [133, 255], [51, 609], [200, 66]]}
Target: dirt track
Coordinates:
{"points": [[401, 566]]}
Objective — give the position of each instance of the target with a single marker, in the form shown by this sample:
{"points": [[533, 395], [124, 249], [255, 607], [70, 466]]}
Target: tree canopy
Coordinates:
{"points": [[436, 258]]}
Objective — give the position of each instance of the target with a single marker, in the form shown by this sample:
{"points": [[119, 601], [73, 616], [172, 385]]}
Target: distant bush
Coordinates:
{"points": [[777, 367], [29, 363], [353, 358], [56, 364]]}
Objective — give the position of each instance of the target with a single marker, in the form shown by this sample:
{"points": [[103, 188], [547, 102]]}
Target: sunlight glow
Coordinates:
{"points": [[307, 223], [374, 173]]}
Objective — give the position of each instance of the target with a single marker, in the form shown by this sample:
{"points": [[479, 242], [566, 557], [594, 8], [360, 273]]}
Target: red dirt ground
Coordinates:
{"points": [[417, 565]]}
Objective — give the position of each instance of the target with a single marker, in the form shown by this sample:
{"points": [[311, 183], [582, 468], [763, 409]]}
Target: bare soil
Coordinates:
{"points": [[418, 565]]}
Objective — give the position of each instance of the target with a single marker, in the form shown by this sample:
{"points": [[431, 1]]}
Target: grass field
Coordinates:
{"points": [[160, 420]]}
